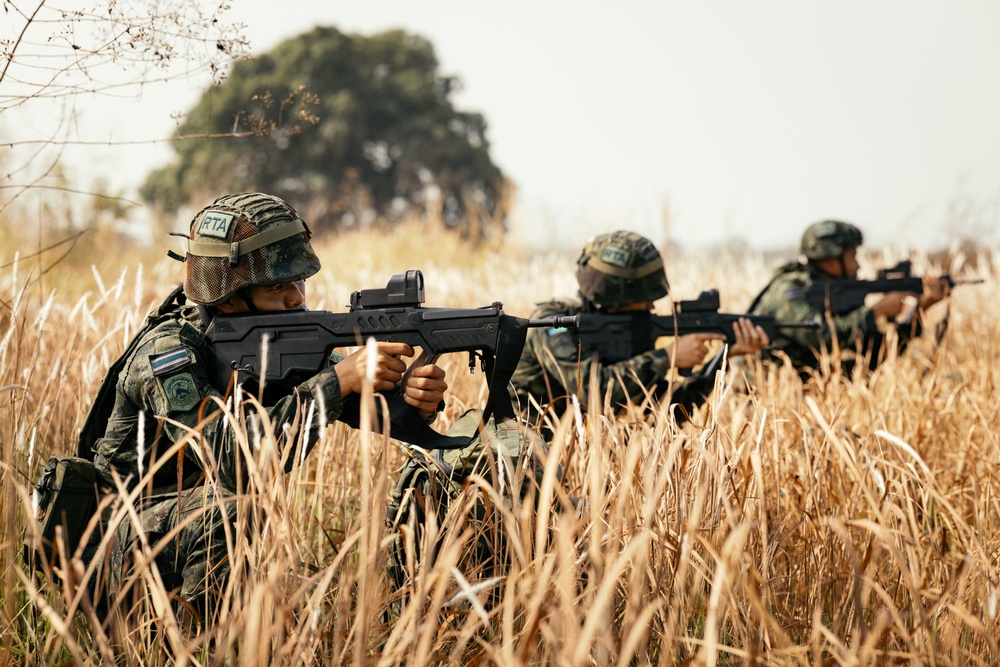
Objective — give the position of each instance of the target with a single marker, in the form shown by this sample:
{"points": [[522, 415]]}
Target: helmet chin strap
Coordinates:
{"points": [[244, 294]]}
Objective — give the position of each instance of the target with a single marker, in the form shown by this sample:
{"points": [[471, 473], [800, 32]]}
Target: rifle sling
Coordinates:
{"points": [[510, 343], [405, 423]]}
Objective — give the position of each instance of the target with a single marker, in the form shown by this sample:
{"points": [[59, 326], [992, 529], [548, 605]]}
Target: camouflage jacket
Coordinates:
{"points": [[164, 390], [551, 370], [856, 332]]}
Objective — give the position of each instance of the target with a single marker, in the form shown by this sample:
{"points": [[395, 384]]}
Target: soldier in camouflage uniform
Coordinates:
{"points": [[246, 253], [830, 249], [617, 272]]}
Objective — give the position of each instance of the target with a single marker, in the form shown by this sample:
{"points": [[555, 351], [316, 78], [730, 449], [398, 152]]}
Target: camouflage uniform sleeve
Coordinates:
{"points": [[167, 378], [785, 299], [557, 353]]}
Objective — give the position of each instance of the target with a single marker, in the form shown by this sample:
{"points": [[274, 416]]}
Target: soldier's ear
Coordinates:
{"points": [[231, 305]]}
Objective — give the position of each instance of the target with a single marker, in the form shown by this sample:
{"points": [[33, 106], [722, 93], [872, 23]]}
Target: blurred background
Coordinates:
{"points": [[702, 125]]}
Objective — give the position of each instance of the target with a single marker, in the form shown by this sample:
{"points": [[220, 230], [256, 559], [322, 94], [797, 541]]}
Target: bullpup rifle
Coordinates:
{"points": [[843, 295], [619, 336], [286, 347]]}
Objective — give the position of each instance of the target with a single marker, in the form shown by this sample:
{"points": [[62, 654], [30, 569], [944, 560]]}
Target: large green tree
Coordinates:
{"points": [[346, 127]]}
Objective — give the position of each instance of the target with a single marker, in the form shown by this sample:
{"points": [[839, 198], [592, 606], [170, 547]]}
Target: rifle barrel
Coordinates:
{"points": [[557, 322]]}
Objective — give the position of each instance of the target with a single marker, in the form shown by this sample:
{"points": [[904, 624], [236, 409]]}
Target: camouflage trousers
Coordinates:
{"points": [[187, 534], [506, 456]]}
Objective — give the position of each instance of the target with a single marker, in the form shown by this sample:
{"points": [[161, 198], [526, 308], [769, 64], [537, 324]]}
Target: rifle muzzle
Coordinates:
{"points": [[964, 281]]}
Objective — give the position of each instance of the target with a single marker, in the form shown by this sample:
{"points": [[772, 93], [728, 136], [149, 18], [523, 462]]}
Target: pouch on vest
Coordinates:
{"points": [[68, 493]]}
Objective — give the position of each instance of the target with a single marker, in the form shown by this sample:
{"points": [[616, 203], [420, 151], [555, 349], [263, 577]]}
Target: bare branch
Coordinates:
{"points": [[59, 50], [20, 37]]}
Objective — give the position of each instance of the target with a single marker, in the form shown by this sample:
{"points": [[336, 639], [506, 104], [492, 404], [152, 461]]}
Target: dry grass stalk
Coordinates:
{"points": [[838, 523]]}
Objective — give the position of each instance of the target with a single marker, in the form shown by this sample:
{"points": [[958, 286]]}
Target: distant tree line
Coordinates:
{"points": [[349, 128]]}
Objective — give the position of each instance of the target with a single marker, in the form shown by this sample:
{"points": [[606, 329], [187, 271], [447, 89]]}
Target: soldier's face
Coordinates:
{"points": [[270, 298], [845, 266], [851, 265]]}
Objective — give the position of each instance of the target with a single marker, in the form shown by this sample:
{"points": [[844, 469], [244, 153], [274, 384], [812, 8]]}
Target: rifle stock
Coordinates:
{"points": [[288, 346], [619, 336]]}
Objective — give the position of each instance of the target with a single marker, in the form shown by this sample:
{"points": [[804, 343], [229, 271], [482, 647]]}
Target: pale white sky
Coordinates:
{"points": [[745, 118]]}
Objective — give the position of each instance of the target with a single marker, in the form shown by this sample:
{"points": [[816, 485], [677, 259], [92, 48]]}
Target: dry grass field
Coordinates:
{"points": [[837, 523]]}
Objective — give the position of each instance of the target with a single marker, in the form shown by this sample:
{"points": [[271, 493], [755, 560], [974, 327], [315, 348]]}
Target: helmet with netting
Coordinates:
{"points": [[621, 268], [829, 239], [244, 240]]}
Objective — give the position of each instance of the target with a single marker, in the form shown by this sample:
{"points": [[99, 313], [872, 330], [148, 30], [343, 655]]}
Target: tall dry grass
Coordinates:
{"points": [[839, 523]]}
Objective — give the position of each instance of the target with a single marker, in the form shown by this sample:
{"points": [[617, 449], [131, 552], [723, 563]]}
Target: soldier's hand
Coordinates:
{"points": [[424, 386], [389, 368], [891, 305], [935, 289], [750, 338], [691, 349]]}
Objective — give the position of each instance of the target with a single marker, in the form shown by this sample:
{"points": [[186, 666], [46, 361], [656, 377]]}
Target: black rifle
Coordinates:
{"points": [[843, 295], [286, 347], [619, 336]]}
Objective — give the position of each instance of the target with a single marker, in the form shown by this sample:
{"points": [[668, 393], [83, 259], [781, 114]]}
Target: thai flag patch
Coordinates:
{"points": [[170, 361]]}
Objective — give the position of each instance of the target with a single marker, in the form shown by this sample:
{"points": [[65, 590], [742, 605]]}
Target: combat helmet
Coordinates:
{"points": [[243, 240], [620, 268], [829, 239]]}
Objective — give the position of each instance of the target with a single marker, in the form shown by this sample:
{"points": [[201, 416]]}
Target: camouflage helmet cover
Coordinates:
{"points": [[829, 239], [243, 240], [621, 268]]}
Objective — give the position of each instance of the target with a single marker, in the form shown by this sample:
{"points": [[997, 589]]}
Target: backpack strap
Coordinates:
{"points": [[104, 403]]}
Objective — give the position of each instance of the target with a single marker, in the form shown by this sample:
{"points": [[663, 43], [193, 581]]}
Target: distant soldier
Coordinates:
{"points": [[830, 248], [619, 272]]}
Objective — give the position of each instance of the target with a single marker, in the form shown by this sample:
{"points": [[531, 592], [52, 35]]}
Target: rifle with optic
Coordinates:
{"points": [[843, 295], [619, 336], [286, 347]]}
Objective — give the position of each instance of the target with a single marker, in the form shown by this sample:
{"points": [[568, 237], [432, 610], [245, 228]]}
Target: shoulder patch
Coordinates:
{"points": [[216, 224], [181, 392], [170, 361], [795, 293], [556, 330]]}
